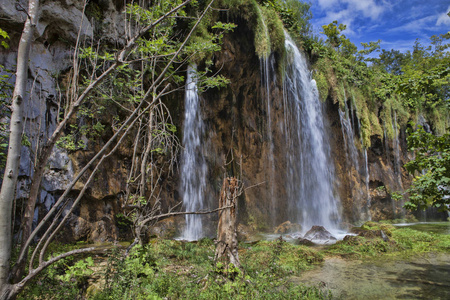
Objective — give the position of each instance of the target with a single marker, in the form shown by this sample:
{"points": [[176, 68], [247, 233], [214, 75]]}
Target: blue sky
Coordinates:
{"points": [[396, 22]]}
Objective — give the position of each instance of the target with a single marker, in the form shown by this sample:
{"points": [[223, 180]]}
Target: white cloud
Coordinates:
{"points": [[416, 26], [327, 3], [443, 19], [368, 7], [401, 45], [347, 11]]}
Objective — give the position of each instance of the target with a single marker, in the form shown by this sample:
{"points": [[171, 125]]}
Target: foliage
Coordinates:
{"points": [[279, 257], [269, 18], [431, 167], [65, 279], [3, 37], [333, 33], [5, 95], [179, 270], [294, 14], [387, 91], [126, 88]]}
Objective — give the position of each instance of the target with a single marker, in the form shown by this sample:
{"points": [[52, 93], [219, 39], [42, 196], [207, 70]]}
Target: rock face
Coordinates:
{"points": [[239, 139], [58, 27], [318, 233]]}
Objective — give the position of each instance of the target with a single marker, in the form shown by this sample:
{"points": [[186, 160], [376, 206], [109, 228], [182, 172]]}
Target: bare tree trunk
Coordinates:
{"points": [[9, 184], [227, 244], [144, 171]]}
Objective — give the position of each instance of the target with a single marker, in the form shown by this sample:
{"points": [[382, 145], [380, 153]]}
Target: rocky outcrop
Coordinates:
{"points": [[318, 233]]}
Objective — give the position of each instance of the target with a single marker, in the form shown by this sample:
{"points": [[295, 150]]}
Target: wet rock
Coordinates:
{"points": [[287, 227], [371, 233], [304, 242], [351, 239], [319, 233]]}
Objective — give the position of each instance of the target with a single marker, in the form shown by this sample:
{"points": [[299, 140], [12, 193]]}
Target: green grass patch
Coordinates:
{"points": [[400, 241], [169, 269]]}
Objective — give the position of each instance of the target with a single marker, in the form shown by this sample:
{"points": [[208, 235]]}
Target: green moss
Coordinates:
{"points": [[282, 257], [262, 37], [401, 242], [276, 30], [265, 23], [322, 85], [342, 96], [375, 124]]}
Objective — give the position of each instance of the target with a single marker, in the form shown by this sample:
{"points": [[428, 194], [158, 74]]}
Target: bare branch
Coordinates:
{"points": [[180, 213], [18, 287]]}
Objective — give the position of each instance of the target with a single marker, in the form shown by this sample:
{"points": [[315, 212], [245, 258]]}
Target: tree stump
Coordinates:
{"points": [[227, 244]]}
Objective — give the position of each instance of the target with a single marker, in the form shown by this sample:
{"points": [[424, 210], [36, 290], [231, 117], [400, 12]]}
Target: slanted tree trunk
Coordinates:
{"points": [[9, 184], [227, 244]]}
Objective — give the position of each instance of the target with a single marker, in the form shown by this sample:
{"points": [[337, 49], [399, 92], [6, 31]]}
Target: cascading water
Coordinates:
{"points": [[193, 165], [351, 153], [266, 67], [366, 172], [310, 172], [352, 159], [396, 144]]}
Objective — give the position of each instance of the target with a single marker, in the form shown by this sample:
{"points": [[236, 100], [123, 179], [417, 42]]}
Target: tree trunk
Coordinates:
{"points": [[227, 244], [9, 184]]}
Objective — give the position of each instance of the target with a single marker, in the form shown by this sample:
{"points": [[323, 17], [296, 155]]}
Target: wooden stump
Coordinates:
{"points": [[227, 244]]}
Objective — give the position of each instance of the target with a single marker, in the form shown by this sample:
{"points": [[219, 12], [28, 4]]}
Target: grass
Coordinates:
{"points": [[169, 269], [402, 242]]}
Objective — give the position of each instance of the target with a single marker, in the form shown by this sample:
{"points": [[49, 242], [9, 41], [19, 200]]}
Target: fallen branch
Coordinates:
{"points": [[18, 287]]}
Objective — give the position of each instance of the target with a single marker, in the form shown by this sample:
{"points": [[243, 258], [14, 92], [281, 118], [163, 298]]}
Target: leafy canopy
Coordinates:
{"points": [[431, 187]]}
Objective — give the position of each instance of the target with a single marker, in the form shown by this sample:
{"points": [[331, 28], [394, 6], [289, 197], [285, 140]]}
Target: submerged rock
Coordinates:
{"points": [[319, 233]]}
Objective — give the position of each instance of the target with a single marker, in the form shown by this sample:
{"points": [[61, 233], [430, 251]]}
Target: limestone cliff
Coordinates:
{"points": [[239, 140]]}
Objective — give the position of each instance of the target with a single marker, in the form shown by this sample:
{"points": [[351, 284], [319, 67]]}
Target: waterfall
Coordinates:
{"points": [[355, 170], [310, 173], [396, 144], [351, 153], [266, 66], [366, 171], [352, 158], [367, 180], [193, 165]]}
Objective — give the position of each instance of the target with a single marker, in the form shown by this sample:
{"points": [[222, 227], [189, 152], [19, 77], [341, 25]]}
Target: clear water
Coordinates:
{"points": [[435, 227], [193, 165], [310, 173], [425, 277], [421, 277]]}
